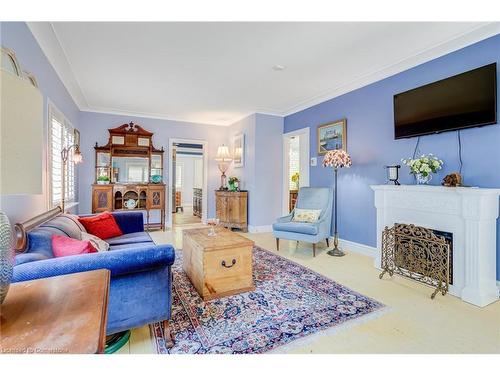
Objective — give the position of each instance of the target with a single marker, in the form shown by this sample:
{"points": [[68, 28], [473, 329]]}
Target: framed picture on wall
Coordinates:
{"points": [[239, 150], [332, 136]]}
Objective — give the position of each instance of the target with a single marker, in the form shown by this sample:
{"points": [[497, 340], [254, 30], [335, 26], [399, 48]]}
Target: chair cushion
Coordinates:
{"points": [[130, 238], [103, 225], [296, 227]]}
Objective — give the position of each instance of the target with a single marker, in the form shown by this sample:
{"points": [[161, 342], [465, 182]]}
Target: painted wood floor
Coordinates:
{"points": [[414, 324]]}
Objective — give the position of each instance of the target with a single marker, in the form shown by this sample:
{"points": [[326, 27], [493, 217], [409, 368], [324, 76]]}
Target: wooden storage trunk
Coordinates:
{"points": [[217, 266]]}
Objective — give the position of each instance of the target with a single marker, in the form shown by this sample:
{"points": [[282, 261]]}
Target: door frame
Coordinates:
{"points": [[204, 199], [305, 151]]}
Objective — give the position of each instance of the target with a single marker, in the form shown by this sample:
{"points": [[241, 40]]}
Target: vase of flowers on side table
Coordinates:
{"points": [[233, 183], [423, 167]]}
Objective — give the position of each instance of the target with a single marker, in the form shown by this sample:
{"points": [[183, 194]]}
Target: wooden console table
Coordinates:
{"points": [[62, 314]]}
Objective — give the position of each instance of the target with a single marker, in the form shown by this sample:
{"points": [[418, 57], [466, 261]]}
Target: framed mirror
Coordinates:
{"points": [[130, 169]]}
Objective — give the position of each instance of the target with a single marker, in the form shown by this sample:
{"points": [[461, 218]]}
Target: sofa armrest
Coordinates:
{"points": [[119, 262]]}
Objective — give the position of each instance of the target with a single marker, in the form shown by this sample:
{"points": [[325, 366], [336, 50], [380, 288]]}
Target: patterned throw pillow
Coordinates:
{"points": [[99, 244], [306, 216]]}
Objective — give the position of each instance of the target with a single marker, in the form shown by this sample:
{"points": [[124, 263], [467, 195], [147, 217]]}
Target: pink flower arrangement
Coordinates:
{"points": [[337, 159]]}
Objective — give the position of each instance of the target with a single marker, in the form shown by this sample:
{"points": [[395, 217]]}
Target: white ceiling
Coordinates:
{"points": [[217, 73]]}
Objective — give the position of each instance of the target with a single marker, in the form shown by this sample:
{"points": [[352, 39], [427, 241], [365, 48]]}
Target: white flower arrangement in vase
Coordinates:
{"points": [[423, 167]]}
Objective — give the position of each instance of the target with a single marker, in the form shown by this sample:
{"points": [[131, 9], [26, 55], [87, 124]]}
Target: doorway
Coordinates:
{"points": [[187, 182], [295, 166]]}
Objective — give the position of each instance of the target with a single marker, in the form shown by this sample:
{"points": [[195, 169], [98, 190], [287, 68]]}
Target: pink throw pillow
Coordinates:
{"points": [[63, 246]]}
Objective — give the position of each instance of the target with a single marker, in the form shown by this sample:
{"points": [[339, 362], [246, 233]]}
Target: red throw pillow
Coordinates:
{"points": [[63, 246], [103, 226]]}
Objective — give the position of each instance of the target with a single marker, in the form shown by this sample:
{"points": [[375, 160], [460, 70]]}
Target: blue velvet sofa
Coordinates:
{"points": [[141, 278]]}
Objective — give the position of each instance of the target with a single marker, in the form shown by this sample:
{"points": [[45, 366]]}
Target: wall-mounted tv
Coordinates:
{"points": [[462, 101]]}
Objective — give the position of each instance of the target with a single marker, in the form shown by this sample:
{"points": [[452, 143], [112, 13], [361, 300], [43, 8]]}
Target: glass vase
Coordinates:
{"points": [[423, 180]]}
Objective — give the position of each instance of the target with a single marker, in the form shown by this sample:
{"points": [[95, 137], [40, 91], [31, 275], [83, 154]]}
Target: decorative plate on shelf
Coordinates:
{"points": [[130, 204], [156, 179]]}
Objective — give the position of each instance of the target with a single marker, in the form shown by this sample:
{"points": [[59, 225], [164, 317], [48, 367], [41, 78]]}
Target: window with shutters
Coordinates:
{"points": [[61, 135]]}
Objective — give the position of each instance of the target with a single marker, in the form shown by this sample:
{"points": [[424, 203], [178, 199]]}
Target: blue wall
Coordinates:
{"points": [[371, 144]]}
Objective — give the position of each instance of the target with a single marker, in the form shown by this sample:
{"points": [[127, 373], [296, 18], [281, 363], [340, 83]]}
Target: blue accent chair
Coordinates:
{"points": [[313, 199], [140, 289]]}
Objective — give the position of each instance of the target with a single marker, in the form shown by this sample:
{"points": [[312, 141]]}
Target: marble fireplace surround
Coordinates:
{"points": [[470, 214]]}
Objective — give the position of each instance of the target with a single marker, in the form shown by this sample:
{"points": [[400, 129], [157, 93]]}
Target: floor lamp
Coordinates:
{"points": [[77, 159], [336, 159]]}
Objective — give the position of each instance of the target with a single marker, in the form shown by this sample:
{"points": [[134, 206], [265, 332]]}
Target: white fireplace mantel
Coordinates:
{"points": [[470, 214]]}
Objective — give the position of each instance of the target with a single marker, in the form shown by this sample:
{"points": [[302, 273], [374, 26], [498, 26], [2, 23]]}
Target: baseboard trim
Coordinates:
{"points": [[358, 248], [260, 228]]}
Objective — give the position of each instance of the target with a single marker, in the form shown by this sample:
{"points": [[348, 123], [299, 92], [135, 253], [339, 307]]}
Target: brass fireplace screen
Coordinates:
{"points": [[417, 253]]}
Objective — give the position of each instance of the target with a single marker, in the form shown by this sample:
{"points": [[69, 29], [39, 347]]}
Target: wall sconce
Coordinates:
{"points": [[393, 173], [77, 159]]}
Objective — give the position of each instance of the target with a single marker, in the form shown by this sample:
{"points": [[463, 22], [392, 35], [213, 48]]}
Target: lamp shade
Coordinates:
{"points": [[223, 154], [77, 157], [337, 159]]}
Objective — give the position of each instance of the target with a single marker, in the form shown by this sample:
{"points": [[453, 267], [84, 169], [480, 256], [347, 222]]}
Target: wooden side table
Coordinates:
{"points": [[62, 314]]}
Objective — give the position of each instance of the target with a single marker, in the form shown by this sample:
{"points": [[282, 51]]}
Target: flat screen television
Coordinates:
{"points": [[462, 101]]}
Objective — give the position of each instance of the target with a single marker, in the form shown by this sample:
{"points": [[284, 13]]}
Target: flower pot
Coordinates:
{"points": [[102, 182], [6, 256], [423, 180]]}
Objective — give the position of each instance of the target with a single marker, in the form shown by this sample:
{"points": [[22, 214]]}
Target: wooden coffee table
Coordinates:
{"points": [[217, 266], [62, 314]]}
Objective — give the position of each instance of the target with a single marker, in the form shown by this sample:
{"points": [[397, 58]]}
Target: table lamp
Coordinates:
{"points": [[223, 158]]}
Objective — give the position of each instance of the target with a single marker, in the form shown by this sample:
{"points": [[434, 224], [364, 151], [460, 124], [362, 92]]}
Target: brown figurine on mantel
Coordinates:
{"points": [[129, 174], [452, 180]]}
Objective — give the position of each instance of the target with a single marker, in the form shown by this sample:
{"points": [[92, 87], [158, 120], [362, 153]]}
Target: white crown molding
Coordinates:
{"points": [[155, 116], [441, 49], [49, 43], [52, 48]]}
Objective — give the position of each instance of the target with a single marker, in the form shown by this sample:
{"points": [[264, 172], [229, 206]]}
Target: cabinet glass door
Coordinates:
{"points": [[156, 168], [102, 164]]}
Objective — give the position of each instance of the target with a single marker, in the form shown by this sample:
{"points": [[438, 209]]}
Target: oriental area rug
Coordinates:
{"points": [[290, 302]]}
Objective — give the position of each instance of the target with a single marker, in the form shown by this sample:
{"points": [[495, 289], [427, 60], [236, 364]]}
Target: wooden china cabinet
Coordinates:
{"points": [[129, 174]]}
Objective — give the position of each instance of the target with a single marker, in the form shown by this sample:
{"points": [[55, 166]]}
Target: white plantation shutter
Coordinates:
{"points": [[294, 158], [179, 175], [61, 135]]}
